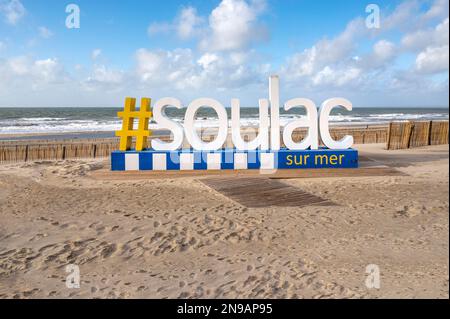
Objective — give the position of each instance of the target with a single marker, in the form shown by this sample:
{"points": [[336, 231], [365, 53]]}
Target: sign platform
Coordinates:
{"points": [[232, 159]]}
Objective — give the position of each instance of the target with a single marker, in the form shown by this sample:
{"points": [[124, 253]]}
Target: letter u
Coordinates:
{"points": [[262, 138]]}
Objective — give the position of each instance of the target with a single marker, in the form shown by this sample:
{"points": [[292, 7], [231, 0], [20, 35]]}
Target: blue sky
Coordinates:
{"points": [[223, 49]]}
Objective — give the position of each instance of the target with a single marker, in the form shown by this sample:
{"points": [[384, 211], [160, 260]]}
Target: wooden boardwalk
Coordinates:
{"points": [[252, 188], [263, 192], [107, 174]]}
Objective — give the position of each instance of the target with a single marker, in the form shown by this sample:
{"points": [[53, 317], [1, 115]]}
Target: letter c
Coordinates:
{"points": [[324, 115]]}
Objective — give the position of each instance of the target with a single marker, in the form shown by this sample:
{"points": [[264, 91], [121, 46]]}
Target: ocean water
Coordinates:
{"points": [[58, 120]]}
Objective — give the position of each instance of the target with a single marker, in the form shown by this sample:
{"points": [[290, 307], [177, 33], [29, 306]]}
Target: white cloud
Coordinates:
{"points": [[222, 61], [28, 74], [337, 63], [12, 10], [159, 68], [384, 50], [403, 17], [159, 27], [180, 69], [104, 78], [433, 60], [233, 25], [331, 63], [104, 75], [336, 77], [223, 41], [96, 54], [48, 71], [423, 38], [325, 53], [409, 15], [432, 45], [19, 65], [186, 24], [45, 33], [438, 9], [227, 71], [207, 59]]}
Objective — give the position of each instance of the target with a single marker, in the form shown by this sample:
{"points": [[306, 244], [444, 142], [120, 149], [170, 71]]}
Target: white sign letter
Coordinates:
{"points": [[165, 123], [324, 115], [274, 97], [310, 121], [263, 136], [189, 128]]}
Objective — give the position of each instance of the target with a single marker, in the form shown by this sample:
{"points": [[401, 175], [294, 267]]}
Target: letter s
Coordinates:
{"points": [[164, 122], [289, 159]]}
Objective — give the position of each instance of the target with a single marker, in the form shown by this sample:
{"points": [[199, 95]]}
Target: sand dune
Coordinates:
{"points": [[177, 238]]}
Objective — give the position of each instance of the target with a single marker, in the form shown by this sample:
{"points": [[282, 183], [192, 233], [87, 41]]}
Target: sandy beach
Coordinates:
{"points": [[177, 238]]}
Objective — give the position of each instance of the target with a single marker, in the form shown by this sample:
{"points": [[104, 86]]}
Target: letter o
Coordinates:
{"points": [[189, 128]]}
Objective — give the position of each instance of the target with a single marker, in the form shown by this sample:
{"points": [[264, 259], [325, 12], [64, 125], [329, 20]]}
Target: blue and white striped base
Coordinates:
{"points": [[232, 159]]}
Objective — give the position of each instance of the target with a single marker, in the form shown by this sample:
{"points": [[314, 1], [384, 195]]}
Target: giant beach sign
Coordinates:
{"points": [[263, 152]]}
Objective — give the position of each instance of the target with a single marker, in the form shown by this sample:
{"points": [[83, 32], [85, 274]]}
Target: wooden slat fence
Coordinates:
{"points": [[403, 135], [30, 150]]}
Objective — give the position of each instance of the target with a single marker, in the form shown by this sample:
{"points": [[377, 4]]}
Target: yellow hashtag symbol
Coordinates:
{"points": [[128, 115]]}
